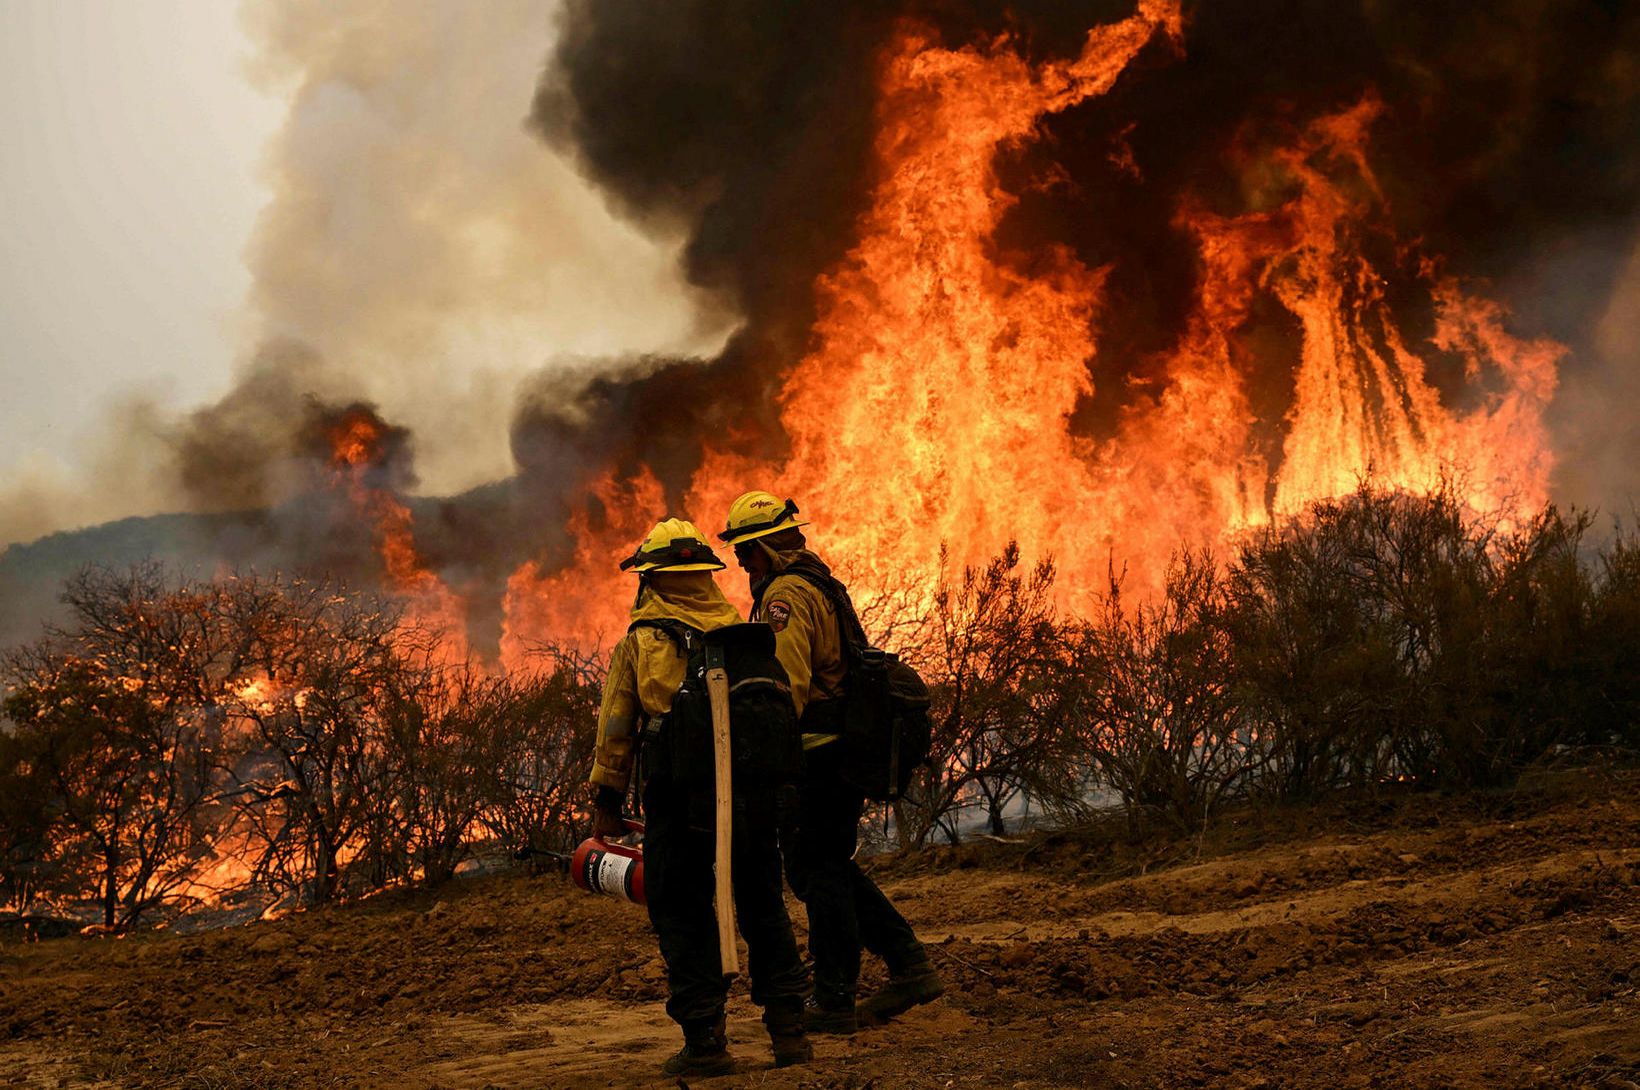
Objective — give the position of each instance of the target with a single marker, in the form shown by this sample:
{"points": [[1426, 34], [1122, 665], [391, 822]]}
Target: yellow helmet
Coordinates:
{"points": [[759, 514], [673, 545]]}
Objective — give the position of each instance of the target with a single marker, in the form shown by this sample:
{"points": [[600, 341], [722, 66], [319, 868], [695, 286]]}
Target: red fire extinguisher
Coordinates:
{"points": [[612, 869]]}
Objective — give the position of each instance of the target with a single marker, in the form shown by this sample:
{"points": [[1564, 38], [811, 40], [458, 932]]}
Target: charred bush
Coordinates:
{"points": [[1539, 666], [273, 738], [543, 755], [309, 696], [440, 733], [29, 864], [1383, 637], [1389, 636], [1611, 708], [994, 659], [1162, 723], [263, 739], [1341, 622], [112, 745]]}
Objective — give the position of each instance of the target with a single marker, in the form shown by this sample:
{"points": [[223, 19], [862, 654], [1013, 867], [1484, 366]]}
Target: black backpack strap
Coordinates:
{"points": [[683, 636], [687, 639], [853, 633]]}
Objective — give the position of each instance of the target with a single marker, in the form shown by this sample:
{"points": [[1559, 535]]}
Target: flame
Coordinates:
{"points": [[1363, 404], [356, 444], [586, 601], [934, 406], [355, 441], [256, 692], [1363, 398]]}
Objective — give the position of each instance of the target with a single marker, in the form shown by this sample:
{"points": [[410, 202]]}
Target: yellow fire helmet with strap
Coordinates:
{"points": [[759, 514], [673, 545]]}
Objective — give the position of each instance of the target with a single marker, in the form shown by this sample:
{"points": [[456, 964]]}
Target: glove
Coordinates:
{"points": [[606, 814]]}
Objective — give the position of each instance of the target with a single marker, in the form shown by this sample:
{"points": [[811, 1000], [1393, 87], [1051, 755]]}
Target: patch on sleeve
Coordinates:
{"points": [[779, 613]]}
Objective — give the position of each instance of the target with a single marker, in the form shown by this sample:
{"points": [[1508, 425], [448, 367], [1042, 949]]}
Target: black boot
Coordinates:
{"points": [[913, 986], [829, 1014], [705, 1052], [786, 1034]]}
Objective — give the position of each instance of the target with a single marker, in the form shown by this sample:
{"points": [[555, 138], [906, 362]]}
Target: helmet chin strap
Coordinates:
{"points": [[777, 562], [778, 558]]}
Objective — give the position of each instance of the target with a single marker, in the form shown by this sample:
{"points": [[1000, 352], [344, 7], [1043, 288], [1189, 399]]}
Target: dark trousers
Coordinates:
{"points": [[846, 909], [678, 881]]}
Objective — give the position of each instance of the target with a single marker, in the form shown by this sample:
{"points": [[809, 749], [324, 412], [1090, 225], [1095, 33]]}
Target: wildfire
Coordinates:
{"points": [[945, 372], [356, 445], [935, 405], [587, 600], [355, 441], [1363, 396], [257, 692]]}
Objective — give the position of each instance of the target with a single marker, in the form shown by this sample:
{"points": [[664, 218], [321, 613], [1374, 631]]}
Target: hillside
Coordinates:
{"points": [[1489, 941], [302, 535]]}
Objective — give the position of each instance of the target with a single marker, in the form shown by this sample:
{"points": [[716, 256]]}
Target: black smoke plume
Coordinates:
{"points": [[1509, 144]]}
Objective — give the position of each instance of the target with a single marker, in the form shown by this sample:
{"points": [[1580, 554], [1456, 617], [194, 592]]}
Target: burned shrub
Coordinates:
{"points": [[112, 743], [1536, 667], [314, 674], [1161, 723], [1338, 620], [994, 661], [543, 755], [1389, 636], [1382, 637], [265, 739], [1611, 708], [440, 735], [29, 863]]}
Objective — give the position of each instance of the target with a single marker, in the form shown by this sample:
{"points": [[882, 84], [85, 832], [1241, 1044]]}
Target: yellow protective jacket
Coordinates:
{"points": [[647, 667], [807, 640]]}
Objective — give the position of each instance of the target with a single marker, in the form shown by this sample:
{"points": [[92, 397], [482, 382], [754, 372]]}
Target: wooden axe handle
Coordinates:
{"points": [[717, 691]]}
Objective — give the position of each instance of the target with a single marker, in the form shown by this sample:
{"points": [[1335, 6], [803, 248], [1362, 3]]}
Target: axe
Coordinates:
{"points": [[717, 692]]}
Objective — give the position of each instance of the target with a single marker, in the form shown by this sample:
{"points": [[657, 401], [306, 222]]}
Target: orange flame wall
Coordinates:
{"points": [[934, 405]]}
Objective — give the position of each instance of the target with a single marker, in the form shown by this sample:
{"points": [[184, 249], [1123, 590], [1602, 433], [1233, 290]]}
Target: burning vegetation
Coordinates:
{"points": [[1295, 335], [1155, 397], [269, 741]]}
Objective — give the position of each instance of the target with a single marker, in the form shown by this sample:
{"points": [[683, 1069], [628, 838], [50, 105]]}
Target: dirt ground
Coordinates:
{"points": [[1481, 942]]}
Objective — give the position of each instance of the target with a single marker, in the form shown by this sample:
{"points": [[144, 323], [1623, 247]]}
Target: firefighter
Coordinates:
{"points": [[675, 584], [846, 909]]}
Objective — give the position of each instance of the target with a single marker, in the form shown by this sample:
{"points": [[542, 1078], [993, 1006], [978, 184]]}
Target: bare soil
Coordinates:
{"points": [[1488, 941]]}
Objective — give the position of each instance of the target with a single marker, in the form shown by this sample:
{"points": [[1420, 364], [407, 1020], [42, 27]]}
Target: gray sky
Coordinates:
{"points": [[376, 196], [127, 190]]}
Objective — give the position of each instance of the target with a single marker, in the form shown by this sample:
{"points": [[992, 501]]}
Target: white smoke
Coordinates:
{"points": [[424, 249], [425, 244]]}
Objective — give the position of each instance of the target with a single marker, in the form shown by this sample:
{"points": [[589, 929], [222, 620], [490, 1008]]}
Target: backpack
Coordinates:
{"points": [[765, 745], [884, 731]]}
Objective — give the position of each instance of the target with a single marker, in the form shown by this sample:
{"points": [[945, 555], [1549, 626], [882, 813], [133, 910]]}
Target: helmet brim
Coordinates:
{"points": [[731, 537], [715, 566]]}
